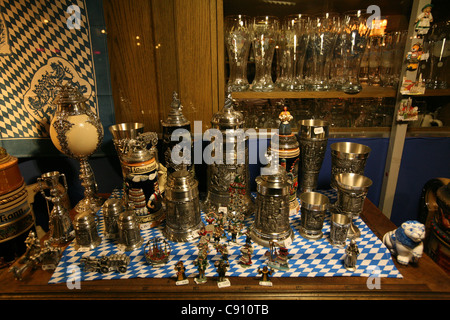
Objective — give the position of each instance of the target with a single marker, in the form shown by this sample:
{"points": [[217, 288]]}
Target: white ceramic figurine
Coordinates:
{"points": [[405, 242]]}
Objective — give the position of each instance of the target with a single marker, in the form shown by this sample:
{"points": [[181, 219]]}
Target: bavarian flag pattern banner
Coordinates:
{"points": [[307, 258], [44, 43]]}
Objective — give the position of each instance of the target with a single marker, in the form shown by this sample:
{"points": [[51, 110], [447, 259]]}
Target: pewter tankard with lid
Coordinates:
{"points": [[183, 219], [231, 151], [272, 208], [175, 120]]}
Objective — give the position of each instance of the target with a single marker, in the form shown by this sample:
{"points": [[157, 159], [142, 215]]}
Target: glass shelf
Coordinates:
{"points": [[367, 92]]}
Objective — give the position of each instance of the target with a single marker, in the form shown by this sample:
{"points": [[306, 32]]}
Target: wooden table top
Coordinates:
{"points": [[426, 280]]}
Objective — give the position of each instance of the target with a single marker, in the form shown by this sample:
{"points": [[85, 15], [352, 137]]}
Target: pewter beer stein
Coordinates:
{"points": [[86, 233], [175, 120], [313, 139], [233, 162], [288, 154], [272, 208], [60, 224], [347, 157], [183, 219], [352, 190], [313, 206]]}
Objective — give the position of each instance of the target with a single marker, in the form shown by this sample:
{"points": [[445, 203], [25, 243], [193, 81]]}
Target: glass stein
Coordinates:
{"points": [[325, 29], [237, 42], [265, 34]]}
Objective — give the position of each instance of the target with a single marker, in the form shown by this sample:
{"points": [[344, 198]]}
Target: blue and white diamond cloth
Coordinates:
{"points": [[44, 43], [308, 258]]}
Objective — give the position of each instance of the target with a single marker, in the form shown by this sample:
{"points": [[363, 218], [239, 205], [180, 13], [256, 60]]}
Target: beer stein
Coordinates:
{"points": [[232, 151], [16, 216], [144, 179], [60, 224], [183, 219], [86, 233], [313, 139], [272, 208], [175, 120]]}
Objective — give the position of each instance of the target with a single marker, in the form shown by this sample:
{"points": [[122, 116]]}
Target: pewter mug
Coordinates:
{"points": [[348, 157], [352, 191], [313, 207], [183, 219], [313, 139]]}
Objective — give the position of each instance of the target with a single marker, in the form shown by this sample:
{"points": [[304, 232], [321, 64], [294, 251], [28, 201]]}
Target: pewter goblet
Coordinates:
{"points": [[348, 157], [351, 194]]}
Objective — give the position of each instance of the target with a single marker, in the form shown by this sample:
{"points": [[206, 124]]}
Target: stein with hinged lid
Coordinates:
{"points": [[228, 163]]}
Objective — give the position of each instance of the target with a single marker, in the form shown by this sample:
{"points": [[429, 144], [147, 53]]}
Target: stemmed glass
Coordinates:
{"points": [[237, 41], [265, 33], [325, 29]]}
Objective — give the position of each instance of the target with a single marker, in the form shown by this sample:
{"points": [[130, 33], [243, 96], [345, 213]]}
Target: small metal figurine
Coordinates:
{"points": [[246, 257], [277, 259], [222, 268], [33, 247], [351, 256], [47, 257], [265, 273], [181, 275], [104, 264], [50, 256], [201, 263]]}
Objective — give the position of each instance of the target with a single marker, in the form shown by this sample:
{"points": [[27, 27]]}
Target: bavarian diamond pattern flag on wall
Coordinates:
{"points": [[44, 43]]}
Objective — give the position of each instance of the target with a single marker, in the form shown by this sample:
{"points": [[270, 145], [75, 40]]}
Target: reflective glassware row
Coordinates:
{"points": [[342, 113], [319, 53], [437, 44]]}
